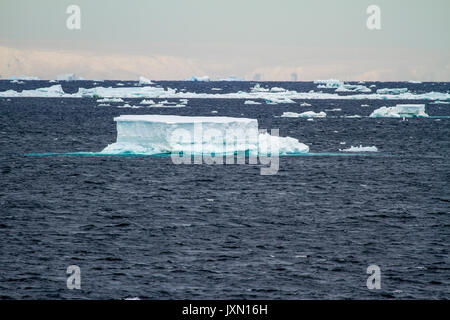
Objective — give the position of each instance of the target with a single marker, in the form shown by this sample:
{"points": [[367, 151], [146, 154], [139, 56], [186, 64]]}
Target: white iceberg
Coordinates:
{"points": [[147, 102], [194, 78], [360, 149], [392, 90], [156, 134], [144, 80], [330, 83], [307, 114], [400, 111], [352, 88], [251, 102], [110, 100], [257, 88]]}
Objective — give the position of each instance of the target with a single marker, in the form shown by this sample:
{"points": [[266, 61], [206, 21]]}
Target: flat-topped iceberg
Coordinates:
{"points": [[163, 134], [400, 111], [392, 90]]}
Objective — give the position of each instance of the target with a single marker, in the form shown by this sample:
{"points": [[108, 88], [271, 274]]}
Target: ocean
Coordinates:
{"points": [[143, 227]]}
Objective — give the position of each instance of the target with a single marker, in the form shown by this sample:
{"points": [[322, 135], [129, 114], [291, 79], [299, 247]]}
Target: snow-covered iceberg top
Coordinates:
{"points": [[307, 114], [157, 134], [400, 111]]}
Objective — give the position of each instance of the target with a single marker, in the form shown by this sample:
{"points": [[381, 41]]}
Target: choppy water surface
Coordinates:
{"points": [[144, 227]]}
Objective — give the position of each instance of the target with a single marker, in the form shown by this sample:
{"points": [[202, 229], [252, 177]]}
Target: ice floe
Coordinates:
{"points": [[400, 111], [251, 102], [307, 114], [360, 149]]}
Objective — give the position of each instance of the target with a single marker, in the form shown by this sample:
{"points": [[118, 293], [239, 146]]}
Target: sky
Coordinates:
{"points": [[252, 39]]}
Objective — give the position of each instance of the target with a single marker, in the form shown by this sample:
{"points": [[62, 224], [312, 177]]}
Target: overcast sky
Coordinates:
{"points": [[174, 39]]}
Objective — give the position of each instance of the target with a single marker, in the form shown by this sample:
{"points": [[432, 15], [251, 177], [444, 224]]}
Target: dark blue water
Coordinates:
{"points": [[144, 227]]}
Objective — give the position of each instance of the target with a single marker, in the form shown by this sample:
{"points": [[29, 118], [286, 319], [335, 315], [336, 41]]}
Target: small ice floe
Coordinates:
{"points": [[400, 111], [126, 105], [392, 90], [353, 116], [214, 111], [364, 105], [305, 104], [360, 149], [110, 100], [133, 298], [216, 89], [342, 142], [251, 102], [147, 102], [440, 102], [335, 109], [104, 105], [307, 114], [210, 200]]}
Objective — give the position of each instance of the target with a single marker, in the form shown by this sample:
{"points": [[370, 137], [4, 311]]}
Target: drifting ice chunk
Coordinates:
{"points": [[194, 78], [330, 83], [352, 88], [305, 104], [143, 80], [147, 102], [110, 100], [258, 88], [360, 149], [392, 90], [155, 134], [251, 102], [307, 114], [400, 111]]}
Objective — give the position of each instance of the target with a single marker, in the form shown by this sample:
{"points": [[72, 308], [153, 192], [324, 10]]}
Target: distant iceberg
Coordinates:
{"points": [[156, 134], [143, 81], [360, 149], [251, 102], [352, 88], [147, 102], [392, 90], [307, 114], [400, 111], [110, 100], [194, 78], [330, 83]]}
